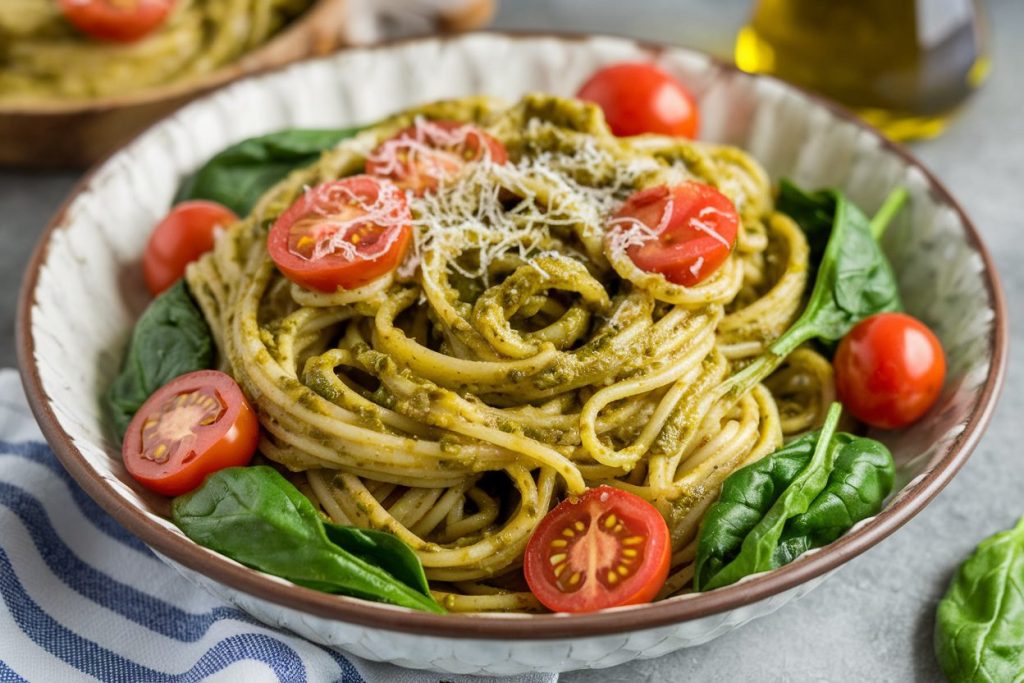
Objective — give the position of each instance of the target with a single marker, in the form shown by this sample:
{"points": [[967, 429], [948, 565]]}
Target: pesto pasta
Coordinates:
{"points": [[42, 56], [512, 358]]}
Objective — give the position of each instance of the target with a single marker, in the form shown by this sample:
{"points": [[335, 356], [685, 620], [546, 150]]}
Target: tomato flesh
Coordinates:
{"points": [[342, 234], [639, 98], [122, 21], [889, 370], [422, 156], [685, 232], [194, 425], [605, 549], [185, 234]]}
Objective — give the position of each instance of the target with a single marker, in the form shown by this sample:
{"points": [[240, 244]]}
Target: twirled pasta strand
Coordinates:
{"points": [[453, 403]]}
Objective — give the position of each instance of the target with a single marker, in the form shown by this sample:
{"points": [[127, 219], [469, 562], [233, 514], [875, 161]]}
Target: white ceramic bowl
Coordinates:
{"points": [[84, 289]]}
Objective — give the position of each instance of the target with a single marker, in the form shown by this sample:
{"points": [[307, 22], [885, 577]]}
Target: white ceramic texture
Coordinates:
{"points": [[89, 289], [496, 657]]}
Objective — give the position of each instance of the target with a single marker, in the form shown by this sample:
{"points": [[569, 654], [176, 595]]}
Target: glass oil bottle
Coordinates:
{"points": [[905, 66]]}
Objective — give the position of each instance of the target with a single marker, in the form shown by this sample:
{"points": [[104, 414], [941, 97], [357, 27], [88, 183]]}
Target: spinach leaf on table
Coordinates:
{"points": [[257, 517], [802, 496], [979, 628], [170, 339], [242, 173]]}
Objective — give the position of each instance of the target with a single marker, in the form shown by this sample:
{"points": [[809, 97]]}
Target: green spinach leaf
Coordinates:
{"points": [[813, 212], [854, 281], [170, 339], [383, 550], [257, 517], [238, 176], [803, 496], [979, 628], [857, 486], [854, 278]]}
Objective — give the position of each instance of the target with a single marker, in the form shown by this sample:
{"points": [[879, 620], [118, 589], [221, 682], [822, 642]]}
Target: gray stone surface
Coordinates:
{"points": [[873, 620]]}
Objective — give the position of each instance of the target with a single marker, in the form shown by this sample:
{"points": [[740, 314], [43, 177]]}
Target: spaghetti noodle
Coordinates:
{"points": [[508, 361]]}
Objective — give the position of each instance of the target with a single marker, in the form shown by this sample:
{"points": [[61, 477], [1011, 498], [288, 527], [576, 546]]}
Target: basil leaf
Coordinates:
{"points": [[804, 495], [170, 339], [979, 629], [242, 173], [383, 550], [257, 517]]}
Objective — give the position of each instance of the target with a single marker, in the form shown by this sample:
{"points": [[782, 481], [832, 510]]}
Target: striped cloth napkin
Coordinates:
{"points": [[83, 599]]}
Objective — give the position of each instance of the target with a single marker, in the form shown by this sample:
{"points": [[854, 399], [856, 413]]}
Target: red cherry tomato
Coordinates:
{"points": [[121, 21], [343, 233], [604, 549], [889, 370], [421, 156], [194, 425], [183, 236], [685, 232], [640, 98]]}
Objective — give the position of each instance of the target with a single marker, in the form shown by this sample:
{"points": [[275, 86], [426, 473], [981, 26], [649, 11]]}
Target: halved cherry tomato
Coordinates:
{"points": [[122, 21], [641, 98], [343, 233], [421, 156], [685, 232], [889, 370], [604, 549], [194, 425], [185, 234]]}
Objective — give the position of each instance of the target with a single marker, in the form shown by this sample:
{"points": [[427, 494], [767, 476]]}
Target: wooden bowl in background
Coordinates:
{"points": [[78, 133]]}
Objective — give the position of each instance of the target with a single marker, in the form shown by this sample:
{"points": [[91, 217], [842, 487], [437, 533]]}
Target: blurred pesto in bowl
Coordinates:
{"points": [[64, 50]]}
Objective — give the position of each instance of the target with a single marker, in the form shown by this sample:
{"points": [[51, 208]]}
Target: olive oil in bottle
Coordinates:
{"points": [[904, 65]]}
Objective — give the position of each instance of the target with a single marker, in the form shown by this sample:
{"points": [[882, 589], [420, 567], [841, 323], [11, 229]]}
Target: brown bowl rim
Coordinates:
{"points": [[244, 66], [545, 626]]}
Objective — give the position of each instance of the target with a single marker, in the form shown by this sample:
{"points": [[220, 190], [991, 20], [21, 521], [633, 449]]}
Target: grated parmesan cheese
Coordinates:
{"points": [[489, 211]]}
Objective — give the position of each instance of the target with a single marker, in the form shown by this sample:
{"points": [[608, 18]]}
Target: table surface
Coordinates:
{"points": [[874, 619]]}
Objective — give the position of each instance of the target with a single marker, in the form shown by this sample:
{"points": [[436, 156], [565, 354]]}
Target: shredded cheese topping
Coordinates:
{"points": [[494, 210]]}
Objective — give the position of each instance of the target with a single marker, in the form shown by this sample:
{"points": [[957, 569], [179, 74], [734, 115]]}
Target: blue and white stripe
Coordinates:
{"points": [[83, 599]]}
